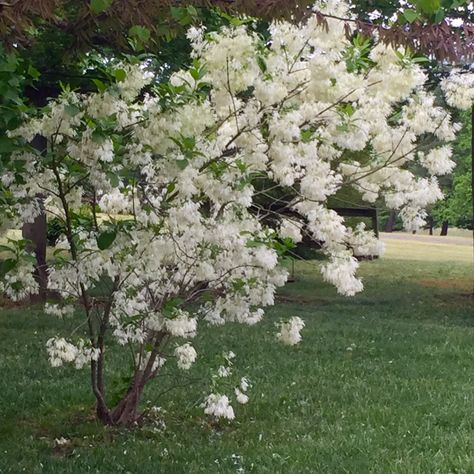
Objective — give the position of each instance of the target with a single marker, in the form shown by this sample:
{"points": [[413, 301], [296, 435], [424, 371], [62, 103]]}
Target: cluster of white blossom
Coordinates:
{"points": [[290, 331], [364, 243], [219, 405], [458, 89], [186, 356], [186, 241], [438, 161], [142, 359], [61, 351], [59, 310], [19, 282]]}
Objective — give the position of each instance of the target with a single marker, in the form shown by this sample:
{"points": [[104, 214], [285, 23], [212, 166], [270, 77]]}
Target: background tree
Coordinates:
{"points": [[456, 208]]}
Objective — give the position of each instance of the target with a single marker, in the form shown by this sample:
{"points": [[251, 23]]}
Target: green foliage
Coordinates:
{"points": [[428, 6], [99, 6], [357, 55], [106, 239], [16, 74], [139, 37], [185, 15], [411, 15], [456, 208], [56, 229], [430, 11]]}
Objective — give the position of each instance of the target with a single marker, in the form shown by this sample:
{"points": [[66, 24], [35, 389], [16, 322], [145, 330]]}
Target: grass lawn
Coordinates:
{"points": [[426, 248], [382, 382]]}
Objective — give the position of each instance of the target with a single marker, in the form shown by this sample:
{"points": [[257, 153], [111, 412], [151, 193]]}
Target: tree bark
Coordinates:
{"points": [[392, 218], [444, 228], [126, 412], [36, 233]]}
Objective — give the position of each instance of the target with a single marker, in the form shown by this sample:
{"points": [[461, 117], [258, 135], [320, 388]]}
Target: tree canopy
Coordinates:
{"points": [[158, 183]]}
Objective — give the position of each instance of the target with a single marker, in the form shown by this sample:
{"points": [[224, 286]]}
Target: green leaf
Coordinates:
{"points": [[194, 74], [138, 37], [439, 16], [71, 110], [171, 305], [170, 188], [181, 15], [7, 145], [420, 59], [33, 72], [262, 64], [192, 11], [106, 239], [182, 164], [10, 63], [101, 87], [411, 15], [113, 179], [99, 6], [428, 6], [307, 135], [120, 75], [140, 32], [7, 265]]}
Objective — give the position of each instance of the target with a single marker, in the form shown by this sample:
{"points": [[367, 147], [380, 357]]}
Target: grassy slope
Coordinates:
{"points": [[400, 400], [428, 251]]}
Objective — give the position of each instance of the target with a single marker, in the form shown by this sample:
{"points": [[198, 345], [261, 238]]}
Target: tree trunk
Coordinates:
{"points": [[36, 232], [444, 228], [430, 222], [392, 218], [126, 412]]}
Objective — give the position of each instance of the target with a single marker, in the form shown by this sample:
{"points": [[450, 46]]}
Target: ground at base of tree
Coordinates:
{"points": [[382, 382]]}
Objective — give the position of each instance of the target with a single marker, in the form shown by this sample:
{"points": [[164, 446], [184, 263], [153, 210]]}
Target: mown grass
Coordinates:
{"points": [[402, 245], [382, 382]]}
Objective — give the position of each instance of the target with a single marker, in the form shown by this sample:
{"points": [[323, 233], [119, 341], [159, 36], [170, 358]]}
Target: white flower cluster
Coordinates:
{"points": [[290, 331], [219, 405], [291, 230], [19, 283], [142, 359], [341, 272], [438, 161], [61, 351], [60, 311], [187, 240], [459, 89], [240, 391], [186, 356], [365, 243]]}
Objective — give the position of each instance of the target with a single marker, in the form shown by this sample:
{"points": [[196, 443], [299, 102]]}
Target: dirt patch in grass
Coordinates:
{"points": [[464, 284], [287, 298]]}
